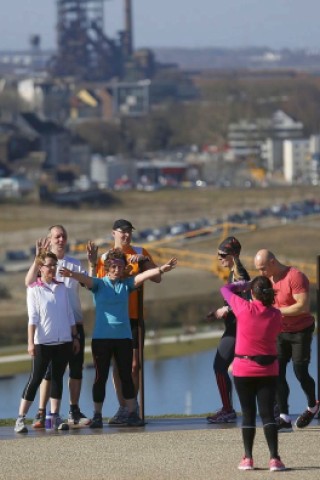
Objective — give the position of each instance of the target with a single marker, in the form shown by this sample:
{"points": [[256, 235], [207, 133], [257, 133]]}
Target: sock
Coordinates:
{"points": [[313, 409], [74, 408], [285, 417]]}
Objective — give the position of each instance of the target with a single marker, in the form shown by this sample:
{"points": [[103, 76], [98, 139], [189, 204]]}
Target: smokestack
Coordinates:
{"points": [[128, 28]]}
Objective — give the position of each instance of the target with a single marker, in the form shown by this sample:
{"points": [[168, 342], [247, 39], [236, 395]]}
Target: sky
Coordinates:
{"points": [[178, 23]]}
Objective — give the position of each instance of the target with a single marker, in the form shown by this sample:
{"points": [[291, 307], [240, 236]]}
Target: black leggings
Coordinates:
{"points": [[261, 390], [76, 360], [102, 352], [59, 356], [222, 361], [295, 346]]}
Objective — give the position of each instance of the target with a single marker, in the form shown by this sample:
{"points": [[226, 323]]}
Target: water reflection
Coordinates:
{"points": [[173, 386]]}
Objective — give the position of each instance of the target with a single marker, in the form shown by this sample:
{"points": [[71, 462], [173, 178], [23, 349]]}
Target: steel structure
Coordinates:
{"points": [[84, 50]]}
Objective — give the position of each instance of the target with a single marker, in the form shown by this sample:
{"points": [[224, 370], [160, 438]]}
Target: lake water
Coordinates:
{"points": [[174, 386]]}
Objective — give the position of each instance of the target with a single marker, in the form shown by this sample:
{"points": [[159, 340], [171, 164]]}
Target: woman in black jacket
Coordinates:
{"points": [[228, 255]]}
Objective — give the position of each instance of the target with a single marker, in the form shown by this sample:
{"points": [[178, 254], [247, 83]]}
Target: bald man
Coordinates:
{"points": [[294, 342]]}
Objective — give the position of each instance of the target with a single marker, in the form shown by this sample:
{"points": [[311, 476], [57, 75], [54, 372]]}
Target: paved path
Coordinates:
{"points": [[173, 449]]}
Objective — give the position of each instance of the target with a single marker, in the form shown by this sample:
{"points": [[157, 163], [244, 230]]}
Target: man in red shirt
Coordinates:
{"points": [[294, 342]]}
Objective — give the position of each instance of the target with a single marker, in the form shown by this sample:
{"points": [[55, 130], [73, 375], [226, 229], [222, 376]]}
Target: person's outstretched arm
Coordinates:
{"points": [[80, 277], [228, 290], [154, 272], [145, 263]]}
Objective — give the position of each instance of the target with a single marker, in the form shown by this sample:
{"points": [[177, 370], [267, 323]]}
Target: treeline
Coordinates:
{"points": [[222, 99]]}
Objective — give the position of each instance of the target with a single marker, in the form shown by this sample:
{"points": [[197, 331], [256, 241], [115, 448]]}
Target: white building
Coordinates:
{"points": [[246, 138], [296, 160], [16, 186], [272, 154], [106, 171], [315, 159]]}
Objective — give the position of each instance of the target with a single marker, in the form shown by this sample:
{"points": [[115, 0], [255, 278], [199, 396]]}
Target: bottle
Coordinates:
{"points": [[49, 422]]}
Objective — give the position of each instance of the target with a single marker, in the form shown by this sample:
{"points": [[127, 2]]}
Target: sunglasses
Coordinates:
{"points": [[223, 255]]}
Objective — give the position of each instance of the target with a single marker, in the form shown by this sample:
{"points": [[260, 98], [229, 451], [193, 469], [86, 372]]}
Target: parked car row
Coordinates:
{"points": [[167, 231], [284, 212]]}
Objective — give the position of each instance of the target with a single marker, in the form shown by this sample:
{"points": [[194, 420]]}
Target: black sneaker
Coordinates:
{"points": [[76, 417], [96, 422], [134, 420], [306, 417], [284, 426]]}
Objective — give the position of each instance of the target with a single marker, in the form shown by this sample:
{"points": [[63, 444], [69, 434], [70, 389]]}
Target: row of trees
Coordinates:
{"points": [[222, 99]]}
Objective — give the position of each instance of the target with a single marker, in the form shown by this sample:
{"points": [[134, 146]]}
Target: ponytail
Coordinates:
{"points": [[262, 290]]}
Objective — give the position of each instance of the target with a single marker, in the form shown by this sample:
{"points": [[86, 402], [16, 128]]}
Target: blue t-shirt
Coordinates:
{"points": [[112, 310]]}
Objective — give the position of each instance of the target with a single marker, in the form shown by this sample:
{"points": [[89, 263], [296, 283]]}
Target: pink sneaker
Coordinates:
{"points": [[276, 465], [246, 464]]}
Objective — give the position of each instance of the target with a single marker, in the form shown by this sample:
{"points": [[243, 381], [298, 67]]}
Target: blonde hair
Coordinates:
{"points": [[239, 271], [40, 259]]}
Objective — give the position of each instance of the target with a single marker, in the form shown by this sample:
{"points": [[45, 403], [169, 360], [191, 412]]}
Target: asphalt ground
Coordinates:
{"points": [[179, 449]]}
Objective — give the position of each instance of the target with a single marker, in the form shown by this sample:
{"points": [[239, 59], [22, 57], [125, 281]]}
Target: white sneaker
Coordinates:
{"points": [[20, 426]]}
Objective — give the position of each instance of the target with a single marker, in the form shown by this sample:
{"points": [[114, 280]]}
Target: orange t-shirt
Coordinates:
{"points": [[134, 270]]}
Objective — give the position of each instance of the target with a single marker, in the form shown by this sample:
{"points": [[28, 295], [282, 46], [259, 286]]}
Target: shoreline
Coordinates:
{"points": [[164, 347]]}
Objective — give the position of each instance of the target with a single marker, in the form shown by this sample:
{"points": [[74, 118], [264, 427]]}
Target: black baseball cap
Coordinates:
{"points": [[123, 225]]}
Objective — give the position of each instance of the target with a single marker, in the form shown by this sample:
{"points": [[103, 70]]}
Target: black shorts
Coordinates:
{"points": [[76, 361], [295, 345], [135, 333]]}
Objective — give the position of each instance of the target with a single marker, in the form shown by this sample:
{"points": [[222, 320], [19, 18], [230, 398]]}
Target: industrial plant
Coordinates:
{"points": [[86, 52]]}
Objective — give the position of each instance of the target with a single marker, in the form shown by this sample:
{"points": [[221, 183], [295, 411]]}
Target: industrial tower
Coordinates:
{"points": [[85, 52]]}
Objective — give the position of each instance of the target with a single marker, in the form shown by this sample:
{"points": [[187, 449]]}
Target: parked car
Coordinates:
{"points": [[17, 255]]}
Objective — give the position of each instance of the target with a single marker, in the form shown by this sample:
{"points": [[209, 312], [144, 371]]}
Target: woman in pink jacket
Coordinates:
{"points": [[255, 367]]}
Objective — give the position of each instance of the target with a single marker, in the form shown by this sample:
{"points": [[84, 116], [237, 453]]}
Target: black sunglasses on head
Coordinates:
{"points": [[223, 255]]}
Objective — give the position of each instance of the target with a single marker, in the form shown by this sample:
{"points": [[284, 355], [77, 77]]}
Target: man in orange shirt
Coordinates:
{"points": [[138, 260]]}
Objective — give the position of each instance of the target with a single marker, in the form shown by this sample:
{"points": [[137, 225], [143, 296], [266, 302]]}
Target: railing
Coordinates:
{"points": [[209, 262], [162, 251]]}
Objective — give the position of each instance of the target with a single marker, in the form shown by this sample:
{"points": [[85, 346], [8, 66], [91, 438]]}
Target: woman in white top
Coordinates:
{"points": [[52, 337]]}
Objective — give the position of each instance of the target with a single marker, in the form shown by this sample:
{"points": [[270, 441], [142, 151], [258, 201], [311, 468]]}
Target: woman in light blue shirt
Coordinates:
{"points": [[112, 332]]}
